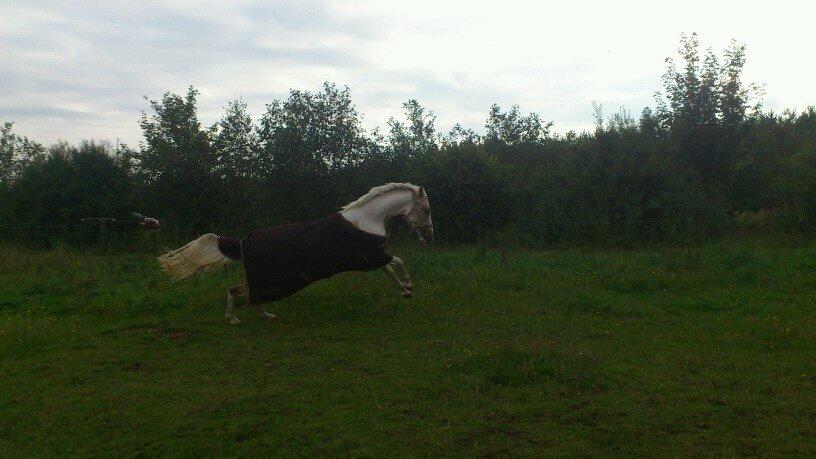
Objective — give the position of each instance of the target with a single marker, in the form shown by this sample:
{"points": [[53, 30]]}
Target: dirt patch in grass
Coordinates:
{"points": [[173, 334]]}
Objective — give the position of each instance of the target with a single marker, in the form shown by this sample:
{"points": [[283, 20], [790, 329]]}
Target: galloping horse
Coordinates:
{"points": [[282, 260]]}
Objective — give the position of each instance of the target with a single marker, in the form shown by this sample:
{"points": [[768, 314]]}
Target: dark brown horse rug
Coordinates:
{"points": [[282, 260]]}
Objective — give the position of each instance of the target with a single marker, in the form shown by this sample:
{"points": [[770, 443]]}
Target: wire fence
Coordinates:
{"points": [[540, 225], [447, 211]]}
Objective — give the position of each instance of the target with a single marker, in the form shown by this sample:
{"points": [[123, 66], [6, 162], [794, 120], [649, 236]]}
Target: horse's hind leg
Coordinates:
{"points": [[234, 292], [263, 314]]}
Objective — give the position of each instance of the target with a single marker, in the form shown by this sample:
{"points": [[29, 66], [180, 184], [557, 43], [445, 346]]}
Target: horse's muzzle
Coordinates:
{"points": [[426, 235]]}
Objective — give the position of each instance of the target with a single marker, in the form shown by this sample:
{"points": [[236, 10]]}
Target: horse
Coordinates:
{"points": [[284, 259]]}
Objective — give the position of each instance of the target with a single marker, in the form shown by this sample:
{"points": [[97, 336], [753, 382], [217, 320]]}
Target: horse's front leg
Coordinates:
{"points": [[399, 267], [397, 282]]}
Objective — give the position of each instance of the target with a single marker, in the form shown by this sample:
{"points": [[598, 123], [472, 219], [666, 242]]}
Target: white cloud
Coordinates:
{"points": [[80, 70]]}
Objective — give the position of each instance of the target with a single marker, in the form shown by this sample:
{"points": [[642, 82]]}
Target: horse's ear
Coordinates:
{"points": [[421, 192]]}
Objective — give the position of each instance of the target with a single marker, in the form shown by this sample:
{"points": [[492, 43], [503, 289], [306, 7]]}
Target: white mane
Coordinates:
{"points": [[378, 190]]}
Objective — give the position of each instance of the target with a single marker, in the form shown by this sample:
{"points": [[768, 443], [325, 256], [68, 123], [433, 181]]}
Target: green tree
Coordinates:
{"points": [[72, 183], [236, 147], [177, 162], [16, 153], [704, 107], [236, 143], [734, 95], [314, 132], [691, 115], [307, 143], [470, 190], [416, 138], [512, 128], [459, 135]]}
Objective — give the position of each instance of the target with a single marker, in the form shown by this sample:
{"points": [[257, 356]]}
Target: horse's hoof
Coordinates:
{"points": [[235, 321], [408, 286], [267, 316], [407, 294]]}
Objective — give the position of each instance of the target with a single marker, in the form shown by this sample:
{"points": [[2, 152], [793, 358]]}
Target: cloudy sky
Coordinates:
{"points": [[80, 70]]}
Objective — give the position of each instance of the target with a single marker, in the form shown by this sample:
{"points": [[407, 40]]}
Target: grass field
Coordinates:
{"points": [[705, 351]]}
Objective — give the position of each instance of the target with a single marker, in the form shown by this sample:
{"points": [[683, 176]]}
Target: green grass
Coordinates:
{"points": [[704, 351]]}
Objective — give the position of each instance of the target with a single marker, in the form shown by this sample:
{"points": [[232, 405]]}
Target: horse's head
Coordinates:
{"points": [[393, 200], [418, 216]]}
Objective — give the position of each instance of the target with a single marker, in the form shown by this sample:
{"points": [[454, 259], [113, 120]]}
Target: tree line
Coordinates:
{"points": [[705, 161]]}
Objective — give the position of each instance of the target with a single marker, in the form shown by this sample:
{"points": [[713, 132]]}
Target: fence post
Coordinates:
{"points": [[103, 236]]}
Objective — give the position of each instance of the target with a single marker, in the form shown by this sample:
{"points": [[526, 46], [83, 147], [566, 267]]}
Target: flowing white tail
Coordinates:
{"points": [[196, 257]]}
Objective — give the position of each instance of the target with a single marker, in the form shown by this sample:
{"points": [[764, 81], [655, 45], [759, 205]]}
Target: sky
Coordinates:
{"points": [[82, 69]]}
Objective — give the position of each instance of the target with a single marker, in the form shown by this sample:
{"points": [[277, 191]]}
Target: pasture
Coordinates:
{"points": [[707, 351]]}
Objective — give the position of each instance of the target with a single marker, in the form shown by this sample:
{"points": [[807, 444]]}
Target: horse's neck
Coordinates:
{"points": [[371, 216]]}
